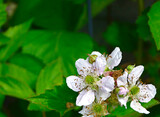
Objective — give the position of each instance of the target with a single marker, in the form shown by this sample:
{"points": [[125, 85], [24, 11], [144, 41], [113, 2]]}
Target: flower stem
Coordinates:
{"points": [[140, 41], [44, 114]]}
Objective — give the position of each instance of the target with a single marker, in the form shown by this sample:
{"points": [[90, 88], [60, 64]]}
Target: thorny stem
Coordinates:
{"points": [[44, 114], [140, 41]]}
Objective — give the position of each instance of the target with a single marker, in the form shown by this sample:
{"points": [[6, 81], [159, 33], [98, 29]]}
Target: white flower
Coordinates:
{"points": [[137, 91], [123, 89], [95, 109], [89, 84], [113, 60]]}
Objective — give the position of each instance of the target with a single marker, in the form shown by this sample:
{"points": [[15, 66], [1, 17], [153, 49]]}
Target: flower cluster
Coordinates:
{"points": [[99, 85]]}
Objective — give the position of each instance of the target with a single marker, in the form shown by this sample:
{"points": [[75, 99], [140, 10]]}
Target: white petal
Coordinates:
{"points": [[106, 83], [123, 101], [86, 110], [122, 80], [83, 67], [135, 105], [100, 64], [147, 92], [114, 58], [75, 83], [135, 74], [96, 53], [86, 97], [102, 95]]}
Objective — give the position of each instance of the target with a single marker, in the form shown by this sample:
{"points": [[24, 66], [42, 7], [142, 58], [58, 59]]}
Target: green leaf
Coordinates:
{"points": [[142, 26], [129, 112], [3, 14], [122, 35], [31, 64], [15, 33], [50, 76], [3, 40], [2, 97], [12, 87], [56, 99], [18, 73], [37, 107], [49, 46], [154, 22], [57, 14], [2, 114]]}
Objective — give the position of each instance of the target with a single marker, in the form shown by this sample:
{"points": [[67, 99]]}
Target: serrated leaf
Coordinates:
{"points": [[154, 22], [15, 33], [37, 107], [18, 73], [49, 77], [31, 64], [3, 14], [56, 99], [129, 112], [12, 87], [49, 46]]}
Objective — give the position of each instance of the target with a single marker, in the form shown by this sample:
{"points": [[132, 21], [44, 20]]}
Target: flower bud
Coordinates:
{"points": [[130, 68], [92, 58]]}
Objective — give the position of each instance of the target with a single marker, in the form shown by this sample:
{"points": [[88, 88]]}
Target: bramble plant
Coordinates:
{"points": [[97, 85]]}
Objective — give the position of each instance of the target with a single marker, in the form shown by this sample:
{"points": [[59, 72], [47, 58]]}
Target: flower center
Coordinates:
{"points": [[134, 90], [89, 80], [97, 108]]}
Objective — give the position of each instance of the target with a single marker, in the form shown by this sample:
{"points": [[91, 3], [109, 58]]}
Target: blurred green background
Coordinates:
{"points": [[40, 40]]}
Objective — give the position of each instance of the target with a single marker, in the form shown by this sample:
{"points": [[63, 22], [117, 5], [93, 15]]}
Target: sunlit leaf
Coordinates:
{"points": [[61, 98], [15, 42], [49, 77], [12, 87], [49, 46], [18, 73]]}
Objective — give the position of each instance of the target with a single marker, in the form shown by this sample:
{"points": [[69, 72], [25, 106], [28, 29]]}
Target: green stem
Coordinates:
{"points": [[44, 114], [140, 41]]}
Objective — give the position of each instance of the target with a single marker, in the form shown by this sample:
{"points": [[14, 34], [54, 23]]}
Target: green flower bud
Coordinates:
{"points": [[130, 68], [92, 58]]}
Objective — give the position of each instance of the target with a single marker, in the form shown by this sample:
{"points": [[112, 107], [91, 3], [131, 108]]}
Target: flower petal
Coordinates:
{"points": [[135, 105], [96, 53], [86, 97], [102, 95], [114, 58], [83, 67], [123, 100], [147, 92], [86, 110], [75, 83], [100, 64], [106, 83], [135, 74], [122, 80]]}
